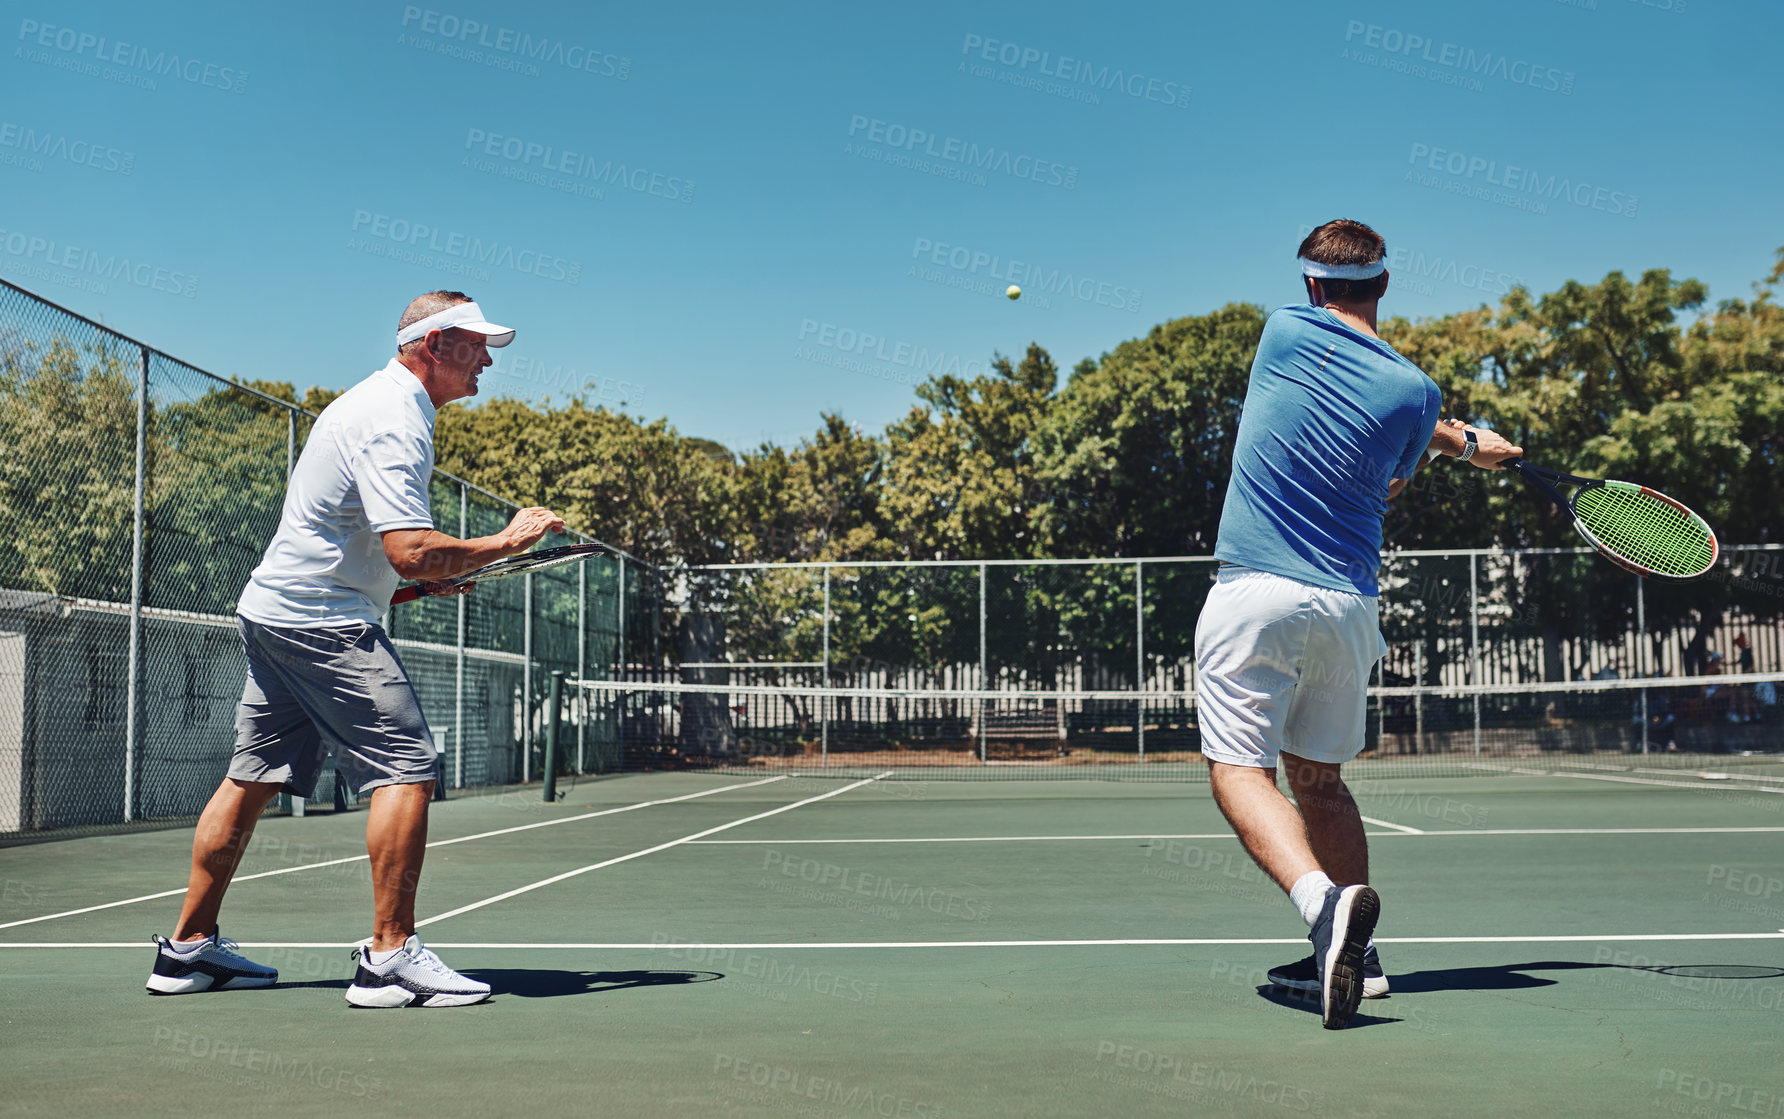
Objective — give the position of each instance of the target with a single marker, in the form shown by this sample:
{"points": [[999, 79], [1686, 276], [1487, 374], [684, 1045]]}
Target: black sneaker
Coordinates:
{"points": [[412, 977], [1303, 975], [214, 965], [1339, 936]]}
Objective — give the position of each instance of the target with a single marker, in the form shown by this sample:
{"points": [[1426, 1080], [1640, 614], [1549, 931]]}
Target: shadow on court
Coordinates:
{"points": [[1512, 977], [544, 983], [1509, 977]]}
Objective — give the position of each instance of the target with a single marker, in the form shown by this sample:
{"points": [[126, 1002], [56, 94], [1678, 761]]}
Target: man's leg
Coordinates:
{"points": [[1264, 820], [217, 848], [396, 840], [1334, 825]]}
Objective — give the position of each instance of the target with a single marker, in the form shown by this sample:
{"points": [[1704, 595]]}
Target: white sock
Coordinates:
{"points": [[1309, 894], [379, 959], [185, 946]]}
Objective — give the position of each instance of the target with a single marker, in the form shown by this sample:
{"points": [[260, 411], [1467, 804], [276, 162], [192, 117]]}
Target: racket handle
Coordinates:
{"points": [[406, 594]]}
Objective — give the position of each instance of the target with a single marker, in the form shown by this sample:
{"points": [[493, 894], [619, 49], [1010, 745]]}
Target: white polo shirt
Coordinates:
{"points": [[364, 472]]}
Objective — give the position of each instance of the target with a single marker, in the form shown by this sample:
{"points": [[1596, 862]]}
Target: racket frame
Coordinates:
{"points": [[1544, 480]]}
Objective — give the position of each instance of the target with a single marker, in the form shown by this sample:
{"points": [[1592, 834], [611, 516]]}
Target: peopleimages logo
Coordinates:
{"points": [[1391, 41], [509, 49], [1474, 174], [30, 144], [84, 52], [430, 246], [1031, 278], [89, 263], [1083, 80], [561, 168], [959, 154]]}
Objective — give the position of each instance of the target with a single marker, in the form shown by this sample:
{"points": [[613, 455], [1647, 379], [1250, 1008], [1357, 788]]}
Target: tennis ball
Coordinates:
{"points": [[1013, 292]]}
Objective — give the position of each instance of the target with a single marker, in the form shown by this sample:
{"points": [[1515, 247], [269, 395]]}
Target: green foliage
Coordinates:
{"points": [[67, 468]]}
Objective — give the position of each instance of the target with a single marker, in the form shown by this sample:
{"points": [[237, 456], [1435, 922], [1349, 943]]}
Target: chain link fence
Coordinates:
{"points": [[137, 493], [1071, 667]]}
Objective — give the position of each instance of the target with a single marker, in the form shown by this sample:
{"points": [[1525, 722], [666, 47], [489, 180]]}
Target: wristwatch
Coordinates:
{"points": [[1473, 444]]}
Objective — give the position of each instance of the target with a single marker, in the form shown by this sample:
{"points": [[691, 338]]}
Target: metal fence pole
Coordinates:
{"points": [[620, 650], [576, 701], [1641, 650], [984, 681], [458, 696], [1474, 638], [526, 689], [823, 701], [1140, 654], [133, 686], [291, 804]]}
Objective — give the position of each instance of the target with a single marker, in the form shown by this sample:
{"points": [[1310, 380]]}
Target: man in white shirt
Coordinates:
{"points": [[322, 673]]}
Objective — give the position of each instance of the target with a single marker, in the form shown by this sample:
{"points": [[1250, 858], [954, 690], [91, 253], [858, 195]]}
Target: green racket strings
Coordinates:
{"points": [[1645, 530]]}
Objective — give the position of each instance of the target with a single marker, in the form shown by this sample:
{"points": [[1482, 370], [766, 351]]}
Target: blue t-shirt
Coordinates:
{"points": [[1331, 417]]}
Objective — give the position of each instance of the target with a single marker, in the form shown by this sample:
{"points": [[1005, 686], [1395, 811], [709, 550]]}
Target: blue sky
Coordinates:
{"points": [[738, 219]]}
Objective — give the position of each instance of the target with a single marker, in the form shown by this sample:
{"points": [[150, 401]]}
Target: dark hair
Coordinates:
{"points": [[1347, 242]]}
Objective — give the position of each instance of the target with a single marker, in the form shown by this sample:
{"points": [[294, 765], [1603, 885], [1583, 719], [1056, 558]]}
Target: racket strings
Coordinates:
{"points": [[1646, 530]]}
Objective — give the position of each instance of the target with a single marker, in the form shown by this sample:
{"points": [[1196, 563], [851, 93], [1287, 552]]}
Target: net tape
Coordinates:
{"points": [[1631, 684]]}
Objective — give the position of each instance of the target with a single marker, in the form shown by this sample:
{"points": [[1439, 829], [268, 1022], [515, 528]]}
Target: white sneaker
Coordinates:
{"points": [[414, 976], [214, 965]]}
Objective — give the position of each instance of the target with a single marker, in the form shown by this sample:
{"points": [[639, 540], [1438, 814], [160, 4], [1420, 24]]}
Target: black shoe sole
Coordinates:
{"points": [[1346, 979]]}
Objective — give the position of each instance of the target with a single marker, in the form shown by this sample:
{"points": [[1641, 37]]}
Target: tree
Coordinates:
{"points": [[960, 481]]}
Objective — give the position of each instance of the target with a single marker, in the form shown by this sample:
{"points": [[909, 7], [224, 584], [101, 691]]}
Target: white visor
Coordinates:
{"points": [[464, 316], [1342, 271]]}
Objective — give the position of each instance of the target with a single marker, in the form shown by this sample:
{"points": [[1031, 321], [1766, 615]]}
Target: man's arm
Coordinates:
{"points": [[1448, 439], [422, 553]]}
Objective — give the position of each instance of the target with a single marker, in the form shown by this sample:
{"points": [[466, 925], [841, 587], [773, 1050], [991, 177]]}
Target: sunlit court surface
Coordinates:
{"points": [[751, 560], [682, 944]]}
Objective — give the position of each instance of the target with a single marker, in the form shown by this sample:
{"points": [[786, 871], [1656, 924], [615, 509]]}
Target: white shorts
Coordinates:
{"points": [[1283, 666]]}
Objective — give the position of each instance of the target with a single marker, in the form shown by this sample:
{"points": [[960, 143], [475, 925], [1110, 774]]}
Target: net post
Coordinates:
{"points": [[1418, 697], [1474, 637], [824, 703], [984, 682], [549, 790], [1140, 656], [133, 686], [458, 684], [1641, 650]]}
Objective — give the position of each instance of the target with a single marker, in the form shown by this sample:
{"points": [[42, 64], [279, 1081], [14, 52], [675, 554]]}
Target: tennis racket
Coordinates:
{"points": [[1632, 526], [501, 569]]}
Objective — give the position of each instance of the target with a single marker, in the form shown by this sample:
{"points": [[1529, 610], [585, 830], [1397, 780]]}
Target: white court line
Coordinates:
{"points": [[1701, 786], [648, 850], [1229, 835], [783, 945], [1387, 824], [362, 858]]}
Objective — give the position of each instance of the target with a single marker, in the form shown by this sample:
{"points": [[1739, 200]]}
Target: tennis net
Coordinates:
{"points": [[963, 732]]}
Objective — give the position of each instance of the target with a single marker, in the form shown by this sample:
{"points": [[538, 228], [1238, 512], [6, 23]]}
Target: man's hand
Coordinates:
{"points": [[528, 526]]}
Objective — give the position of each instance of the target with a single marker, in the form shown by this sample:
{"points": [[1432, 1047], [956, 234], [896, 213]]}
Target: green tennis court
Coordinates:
{"points": [[1599, 939]]}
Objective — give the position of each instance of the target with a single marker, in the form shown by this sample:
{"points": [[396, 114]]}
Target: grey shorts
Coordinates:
{"points": [[312, 691]]}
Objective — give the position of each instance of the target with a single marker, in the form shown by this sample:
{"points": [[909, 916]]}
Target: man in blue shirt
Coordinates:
{"points": [[1335, 421]]}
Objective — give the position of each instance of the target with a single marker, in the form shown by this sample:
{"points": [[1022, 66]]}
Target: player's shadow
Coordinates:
{"points": [[544, 983], [1512, 977], [1507, 977]]}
